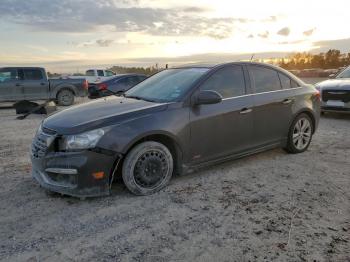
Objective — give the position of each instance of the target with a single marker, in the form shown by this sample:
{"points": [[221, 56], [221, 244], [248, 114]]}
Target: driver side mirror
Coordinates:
{"points": [[206, 97]]}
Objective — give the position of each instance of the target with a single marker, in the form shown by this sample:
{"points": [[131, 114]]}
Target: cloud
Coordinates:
{"points": [[309, 32], [341, 44], [285, 31], [264, 35], [119, 15]]}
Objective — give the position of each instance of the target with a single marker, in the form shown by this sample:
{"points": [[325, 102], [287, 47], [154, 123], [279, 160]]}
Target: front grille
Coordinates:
{"points": [[41, 142], [336, 95]]}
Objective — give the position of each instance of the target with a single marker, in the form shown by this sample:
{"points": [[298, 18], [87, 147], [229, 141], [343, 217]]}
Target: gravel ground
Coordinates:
{"points": [[270, 206]]}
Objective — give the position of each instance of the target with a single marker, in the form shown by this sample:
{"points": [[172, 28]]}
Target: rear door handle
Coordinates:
{"points": [[287, 101], [42, 84], [18, 84], [246, 111]]}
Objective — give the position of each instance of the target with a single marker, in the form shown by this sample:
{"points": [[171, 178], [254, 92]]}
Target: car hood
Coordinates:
{"points": [[100, 113], [343, 84]]}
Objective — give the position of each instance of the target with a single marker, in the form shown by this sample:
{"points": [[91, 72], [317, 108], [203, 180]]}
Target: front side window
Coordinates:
{"points": [[8, 75], [228, 82], [264, 79], [32, 74], [167, 85]]}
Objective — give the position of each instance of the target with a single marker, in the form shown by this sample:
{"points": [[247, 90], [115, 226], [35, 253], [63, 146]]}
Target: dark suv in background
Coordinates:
{"points": [[174, 121], [117, 84]]}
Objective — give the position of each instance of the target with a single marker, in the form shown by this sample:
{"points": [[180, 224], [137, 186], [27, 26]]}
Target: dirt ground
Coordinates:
{"points": [[270, 206]]}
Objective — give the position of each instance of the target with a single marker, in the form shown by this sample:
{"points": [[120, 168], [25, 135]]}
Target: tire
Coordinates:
{"points": [[147, 168], [300, 134], [65, 97]]}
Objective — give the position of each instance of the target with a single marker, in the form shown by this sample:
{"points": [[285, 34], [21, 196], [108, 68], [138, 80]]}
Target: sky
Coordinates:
{"points": [[73, 35]]}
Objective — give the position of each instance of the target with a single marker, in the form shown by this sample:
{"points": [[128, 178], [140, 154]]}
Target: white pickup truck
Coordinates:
{"points": [[95, 75]]}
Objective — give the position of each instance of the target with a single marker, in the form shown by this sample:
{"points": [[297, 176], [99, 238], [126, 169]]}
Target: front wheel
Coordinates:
{"points": [[147, 168], [300, 134]]}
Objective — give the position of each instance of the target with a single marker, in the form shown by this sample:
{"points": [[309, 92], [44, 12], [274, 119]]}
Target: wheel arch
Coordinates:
{"points": [[164, 138], [310, 114]]}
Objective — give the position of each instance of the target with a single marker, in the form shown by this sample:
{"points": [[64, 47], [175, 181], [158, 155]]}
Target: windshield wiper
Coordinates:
{"points": [[139, 98]]}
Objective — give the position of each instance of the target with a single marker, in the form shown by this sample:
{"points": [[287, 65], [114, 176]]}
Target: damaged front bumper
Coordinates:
{"points": [[87, 173]]}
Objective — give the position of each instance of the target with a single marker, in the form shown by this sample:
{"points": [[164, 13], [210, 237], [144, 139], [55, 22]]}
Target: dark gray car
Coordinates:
{"points": [[175, 121]]}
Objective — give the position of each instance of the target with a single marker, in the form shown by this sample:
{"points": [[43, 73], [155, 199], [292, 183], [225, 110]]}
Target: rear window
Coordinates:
{"points": [[100, 73], [90, 73], [32, 74], [264, 79], [109, 73]]}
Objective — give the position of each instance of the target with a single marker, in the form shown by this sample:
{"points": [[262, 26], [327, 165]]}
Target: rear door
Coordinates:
{"points": [[10, 85], [35, 84], [218, 130], [272, 105]]}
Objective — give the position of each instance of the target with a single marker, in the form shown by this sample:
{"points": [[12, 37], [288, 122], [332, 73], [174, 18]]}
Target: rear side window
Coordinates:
{"points": [[7, 75], [264, 79], [100, 73], [285, 81], [32, 74], [228, 82]]}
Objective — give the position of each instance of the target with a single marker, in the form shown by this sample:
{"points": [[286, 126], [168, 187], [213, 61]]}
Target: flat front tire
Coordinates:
{"points": [[147, 168], [300, 134]]}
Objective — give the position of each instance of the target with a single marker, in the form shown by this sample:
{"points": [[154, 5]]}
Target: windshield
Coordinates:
{"points": [[167, 85], [344, 74]]}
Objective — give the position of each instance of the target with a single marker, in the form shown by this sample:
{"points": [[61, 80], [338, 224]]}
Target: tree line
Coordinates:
{"points": [[331, 59]]}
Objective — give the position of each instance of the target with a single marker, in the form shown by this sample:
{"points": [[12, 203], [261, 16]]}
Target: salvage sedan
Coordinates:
{"points": [[177, 120], [335, 93]]}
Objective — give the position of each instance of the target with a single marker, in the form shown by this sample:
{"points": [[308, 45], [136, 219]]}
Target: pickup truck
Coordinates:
{"points": [[32, 83], [95, 75]]}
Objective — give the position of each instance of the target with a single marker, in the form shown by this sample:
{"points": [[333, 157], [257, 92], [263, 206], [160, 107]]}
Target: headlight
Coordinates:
{"points": [[82, 141]]}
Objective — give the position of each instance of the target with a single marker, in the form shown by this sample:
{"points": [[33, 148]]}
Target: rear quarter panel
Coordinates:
{"points": [[306, 100]]}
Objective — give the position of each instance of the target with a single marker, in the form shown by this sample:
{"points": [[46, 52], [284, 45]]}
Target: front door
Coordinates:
{"points": [[11, 88], [218, 130]]}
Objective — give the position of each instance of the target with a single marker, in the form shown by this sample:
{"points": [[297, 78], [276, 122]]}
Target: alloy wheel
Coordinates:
{"points": [[302, 133]]}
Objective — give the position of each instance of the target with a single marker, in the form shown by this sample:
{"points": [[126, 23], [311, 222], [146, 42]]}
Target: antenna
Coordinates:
{"points": [[252, 57]]}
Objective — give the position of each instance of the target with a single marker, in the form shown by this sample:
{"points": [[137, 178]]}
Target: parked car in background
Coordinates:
{"points": [[335, 93], [118, 83], [174, 121], [32, 83], [95, 75]]}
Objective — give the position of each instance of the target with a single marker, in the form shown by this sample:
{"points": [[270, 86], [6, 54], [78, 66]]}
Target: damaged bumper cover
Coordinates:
{"points": [[72, 173]]}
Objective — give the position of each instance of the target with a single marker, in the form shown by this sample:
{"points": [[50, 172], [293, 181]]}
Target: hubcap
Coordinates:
{"points": [[302, 133], [150, 169]]}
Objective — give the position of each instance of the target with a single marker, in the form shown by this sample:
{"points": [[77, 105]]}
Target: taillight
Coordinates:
{"points": [[318, 94], [85, 84], [102, 86]]}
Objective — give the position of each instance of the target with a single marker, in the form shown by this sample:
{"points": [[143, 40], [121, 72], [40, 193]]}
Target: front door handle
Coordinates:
{"points": [[42, 84], [246, 111], [287, 101], [18, 84]]}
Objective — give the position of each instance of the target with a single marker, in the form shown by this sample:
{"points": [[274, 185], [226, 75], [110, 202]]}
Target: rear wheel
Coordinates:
{"points": [[65, 97], [147, 168], [300, 134]]}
